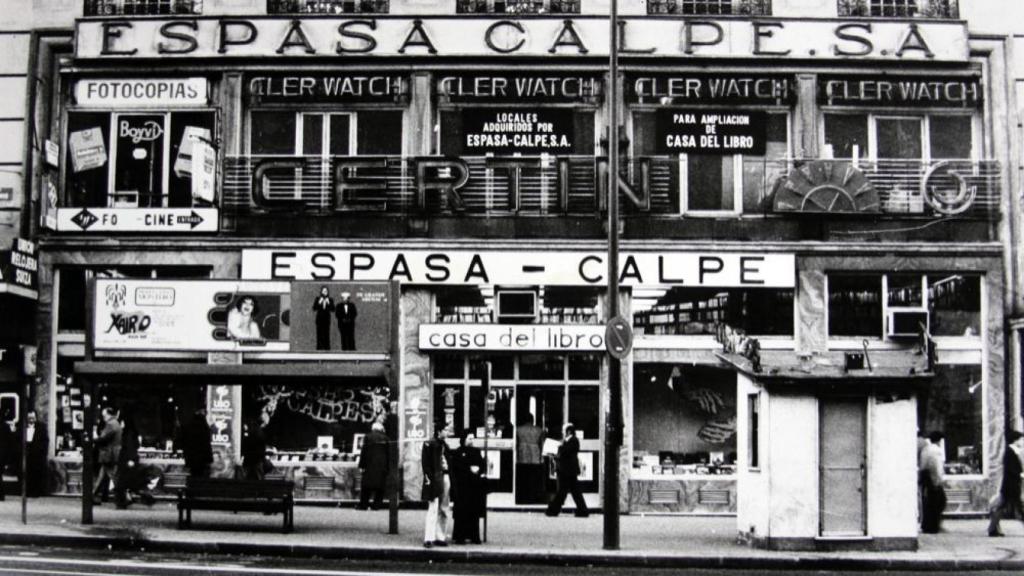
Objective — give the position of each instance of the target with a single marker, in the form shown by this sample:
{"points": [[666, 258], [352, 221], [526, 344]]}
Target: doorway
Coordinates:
{"points": [[843, 467]]}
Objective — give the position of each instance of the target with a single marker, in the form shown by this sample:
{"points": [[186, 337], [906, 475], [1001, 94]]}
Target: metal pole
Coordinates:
{"points": [[23, 418], [614, 415], [487, 457], [394, 383]]}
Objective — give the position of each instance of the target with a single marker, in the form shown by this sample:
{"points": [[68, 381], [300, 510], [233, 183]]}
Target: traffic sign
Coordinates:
{"points": [[618, 337]]}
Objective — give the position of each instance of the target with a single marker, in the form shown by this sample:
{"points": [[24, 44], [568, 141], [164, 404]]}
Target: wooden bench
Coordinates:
{"points": [[227, 494]]}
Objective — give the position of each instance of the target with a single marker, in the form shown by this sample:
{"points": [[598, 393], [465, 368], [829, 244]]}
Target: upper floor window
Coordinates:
{"points": [[518, 6], [328, 6], [752, 7], [142, 7], [701, 311], [900, 8], [899, 137]]}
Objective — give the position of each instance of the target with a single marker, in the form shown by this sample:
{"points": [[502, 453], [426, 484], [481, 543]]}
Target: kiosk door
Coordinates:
{"points": [[843, 465]]}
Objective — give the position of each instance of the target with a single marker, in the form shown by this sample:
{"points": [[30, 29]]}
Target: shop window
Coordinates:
{"points": [[952, 404], [919, 137], [899, 8], [518, 6], [955, 304], [541, 367], [585, 366], [328, 6], [713, 7], [448, 366], [554, 305], [754, 431], [585, 411], [122, 160], [684, 419], [316, 421], [700, 311], [502, 367], [855, 305], [325, 134], [846, 136]]}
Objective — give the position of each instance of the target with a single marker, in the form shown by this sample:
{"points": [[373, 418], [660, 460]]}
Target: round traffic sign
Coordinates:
{"points": [[618, 337]]}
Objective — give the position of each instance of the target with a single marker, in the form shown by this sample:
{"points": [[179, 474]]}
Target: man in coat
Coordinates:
{"points": [[435, 460], [346, 313], [468, 491], [932, 478], [254, 448], [108, 449], [196, 448], [1008, 500], [568, 472], [373, 463], [36, 438], [529, 462]]}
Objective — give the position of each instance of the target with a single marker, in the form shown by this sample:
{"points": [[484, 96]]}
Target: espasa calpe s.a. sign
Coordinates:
{"points": [[517, 130]]}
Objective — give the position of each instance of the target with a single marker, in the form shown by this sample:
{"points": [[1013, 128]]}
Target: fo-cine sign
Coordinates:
{"points": [[512, 338], [695, 131]]}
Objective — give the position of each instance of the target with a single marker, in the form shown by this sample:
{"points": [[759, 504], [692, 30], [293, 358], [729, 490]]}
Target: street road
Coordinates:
{"points": [[17, 561]]}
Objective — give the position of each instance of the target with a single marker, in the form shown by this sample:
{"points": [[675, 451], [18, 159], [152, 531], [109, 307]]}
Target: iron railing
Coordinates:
{"points": [[517, 6], [142, 7], [328, 6], [568, 185], [900, 8], [719, 7]]}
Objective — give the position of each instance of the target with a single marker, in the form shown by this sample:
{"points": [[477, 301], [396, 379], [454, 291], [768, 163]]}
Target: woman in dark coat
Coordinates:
{"points": [[468, 492], [1008, 502], [373, 463], [323, 307]]}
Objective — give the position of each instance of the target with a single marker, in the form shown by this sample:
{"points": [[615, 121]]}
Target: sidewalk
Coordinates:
{"points": [[522, 537]]}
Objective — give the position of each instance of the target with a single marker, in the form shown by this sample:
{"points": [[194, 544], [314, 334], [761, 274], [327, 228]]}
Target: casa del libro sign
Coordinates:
{"points": [[406, 36]]}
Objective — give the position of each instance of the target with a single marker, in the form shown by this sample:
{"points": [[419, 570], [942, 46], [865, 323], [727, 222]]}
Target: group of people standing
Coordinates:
{"points": [[458, 478]]}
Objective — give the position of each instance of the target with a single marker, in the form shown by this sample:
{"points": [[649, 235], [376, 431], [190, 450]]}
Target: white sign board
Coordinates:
{"points": [[582, 35], [512, 337], [125, 93], [184, 315], [700, 269], [137, 220], [88, 150], [204, 172]]}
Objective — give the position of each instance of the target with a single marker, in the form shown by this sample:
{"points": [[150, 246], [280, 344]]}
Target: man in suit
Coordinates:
{"points": [[436, 485], [373, 463], [529, 463], [108, 448], [568, 473], [346, 313], [323, 307], [35, 434], [1008, 500]]}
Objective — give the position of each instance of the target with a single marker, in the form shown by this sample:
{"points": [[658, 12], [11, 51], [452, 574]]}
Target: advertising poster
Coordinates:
{"points": [[515, 130], [87, 149], [238, 316], [190, 138], [697, 131]]}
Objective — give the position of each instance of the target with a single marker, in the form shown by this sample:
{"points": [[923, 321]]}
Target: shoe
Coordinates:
{"points": [[362, 507], [551, 514], [458, 542], [476, 541], [996, 535], [440, 543], [428, 544]]}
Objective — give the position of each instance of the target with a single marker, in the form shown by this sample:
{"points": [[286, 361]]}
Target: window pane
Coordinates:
{"points": [[312, 134], [584, 411], [847, 134], [71, 307], [272, 132], [899, 138], [955, 303], [340, 134], [854, 305], [950, 136], [448, 366], [139, 160], [88, 187], [760, 172], [709, 182], [450, 406], [379, 132], [180, 183], [584, 366], [699, 311], [502, 367], [905, 290], [541, 367], [952, 404], [684, 419]]}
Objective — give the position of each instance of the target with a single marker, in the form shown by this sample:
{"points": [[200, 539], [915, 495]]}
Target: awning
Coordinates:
{"points": [[817, 377], [230, 373]]}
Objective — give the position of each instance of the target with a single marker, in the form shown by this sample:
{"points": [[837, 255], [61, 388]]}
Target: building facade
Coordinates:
{"points": [[834, 178]]}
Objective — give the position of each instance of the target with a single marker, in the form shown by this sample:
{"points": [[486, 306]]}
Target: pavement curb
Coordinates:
{"points": [[518, 557]]}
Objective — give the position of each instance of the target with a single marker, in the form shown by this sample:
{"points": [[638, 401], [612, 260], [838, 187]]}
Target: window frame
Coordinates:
{"points": [[923, 116]]}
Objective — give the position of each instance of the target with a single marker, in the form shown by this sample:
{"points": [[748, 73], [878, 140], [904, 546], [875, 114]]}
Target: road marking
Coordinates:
{"points": [[191, 568]]}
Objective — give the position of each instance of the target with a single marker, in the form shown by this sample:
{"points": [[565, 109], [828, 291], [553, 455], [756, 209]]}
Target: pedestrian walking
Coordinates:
{"points": [[108, 450], [436, 484], [374, 465], [254, 448], [568, 474], [468, 491], [196, 448], [1007, 502], [931, 473], [131, 477]]}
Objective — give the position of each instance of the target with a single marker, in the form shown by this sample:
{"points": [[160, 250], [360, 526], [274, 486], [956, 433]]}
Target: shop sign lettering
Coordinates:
{"points": [[900, 91], [140, 92], [714, 89], [19, 265], [699, 131], [321, 88], [506, 338], [517, 131], [522, 267], [137, 219], [214, 37], [327, 403], [148, 132], [519, 88]]}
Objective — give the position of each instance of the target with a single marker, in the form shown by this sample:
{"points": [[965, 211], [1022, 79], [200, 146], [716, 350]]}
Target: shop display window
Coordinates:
{"points": [[315, 422], [908, 137], [684, 420], [856, 307], [725, 183], [325, 134], [952, 404], [700, 311], [554, 305], [134, 160]]}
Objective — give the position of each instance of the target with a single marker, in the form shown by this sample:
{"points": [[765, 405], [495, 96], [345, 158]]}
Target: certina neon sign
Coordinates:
{"points": [[580, 36]]}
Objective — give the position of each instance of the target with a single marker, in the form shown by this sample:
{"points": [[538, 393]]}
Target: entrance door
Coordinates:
{"points": [[843, 464], [540, 412]]}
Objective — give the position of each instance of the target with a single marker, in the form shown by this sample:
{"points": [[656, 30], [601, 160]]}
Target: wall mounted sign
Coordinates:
{"points": [[218, 38], [19, 266], [125, 93], [88, 149], [447, 267], [911, 91], [517, 130], [710, 89], [137, 220], [237, 316], [525, 87], [699, 131], [512, 338], [324, 88]]}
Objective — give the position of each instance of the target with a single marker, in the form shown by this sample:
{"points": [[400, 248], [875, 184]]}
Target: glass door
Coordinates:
{"points": [[540, 413]]}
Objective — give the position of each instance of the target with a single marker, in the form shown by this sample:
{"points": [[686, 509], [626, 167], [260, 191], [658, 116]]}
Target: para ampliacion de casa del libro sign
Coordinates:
{"points": [[213, 37]]}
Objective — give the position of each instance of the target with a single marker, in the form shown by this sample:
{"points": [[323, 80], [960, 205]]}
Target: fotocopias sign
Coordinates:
{"points": [[239, 316]]}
